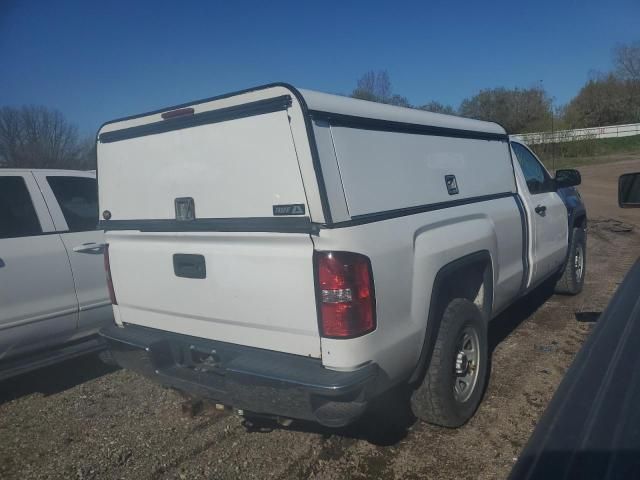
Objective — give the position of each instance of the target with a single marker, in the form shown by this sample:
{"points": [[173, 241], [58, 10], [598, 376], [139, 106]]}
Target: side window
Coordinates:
{"points": [[18, 218], [78, 200], [538, 181]]}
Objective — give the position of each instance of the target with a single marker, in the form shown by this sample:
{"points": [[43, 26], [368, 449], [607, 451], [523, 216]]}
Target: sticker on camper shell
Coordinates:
{"points": [[293, 209], [452, 184]]}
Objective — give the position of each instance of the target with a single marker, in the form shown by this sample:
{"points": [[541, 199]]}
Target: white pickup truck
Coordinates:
{"points": [[295, 254], [53, 290]]}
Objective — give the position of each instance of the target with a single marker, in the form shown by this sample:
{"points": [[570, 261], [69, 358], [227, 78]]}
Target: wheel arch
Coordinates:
{"points": [[477, 271], [580, 220]]}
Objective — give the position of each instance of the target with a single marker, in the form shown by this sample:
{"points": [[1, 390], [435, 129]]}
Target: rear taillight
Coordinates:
{"points": [[107, 269], [345, 296]]}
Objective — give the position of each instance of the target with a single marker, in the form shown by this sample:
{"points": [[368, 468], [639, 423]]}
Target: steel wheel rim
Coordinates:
{"points": [[578, 262], [466, 364]]}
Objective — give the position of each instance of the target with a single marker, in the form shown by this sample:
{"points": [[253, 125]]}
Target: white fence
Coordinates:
{"points": [[579, 134]]}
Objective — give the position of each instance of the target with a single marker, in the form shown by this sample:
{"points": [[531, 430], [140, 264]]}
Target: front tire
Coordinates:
{"points": [[572, 280], [454, 381]]}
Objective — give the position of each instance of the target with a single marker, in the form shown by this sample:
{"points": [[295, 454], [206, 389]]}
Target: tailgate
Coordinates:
{"points": [[258, 290], [196, 242]]}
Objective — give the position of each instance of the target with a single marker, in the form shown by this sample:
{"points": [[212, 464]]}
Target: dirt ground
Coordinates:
{"points": [[83, 420]]}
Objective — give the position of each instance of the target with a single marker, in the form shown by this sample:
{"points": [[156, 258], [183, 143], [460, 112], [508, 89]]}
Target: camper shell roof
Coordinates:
{"points": [[335, 107]]}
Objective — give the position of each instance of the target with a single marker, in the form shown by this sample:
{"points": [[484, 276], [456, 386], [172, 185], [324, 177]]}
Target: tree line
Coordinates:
{"points": [[40, 137], [606, 99]]}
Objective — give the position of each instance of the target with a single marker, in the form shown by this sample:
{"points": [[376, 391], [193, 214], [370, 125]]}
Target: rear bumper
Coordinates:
{"points": [[251, 379]]}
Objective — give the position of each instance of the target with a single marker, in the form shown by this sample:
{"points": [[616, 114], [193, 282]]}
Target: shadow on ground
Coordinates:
{"points": [[389, 420], [504, 324], [386, 422], [54, 379]]}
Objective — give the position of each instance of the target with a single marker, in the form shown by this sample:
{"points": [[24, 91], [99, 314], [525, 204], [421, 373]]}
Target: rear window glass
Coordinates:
{"points": [[17, 216], [78, 200]]}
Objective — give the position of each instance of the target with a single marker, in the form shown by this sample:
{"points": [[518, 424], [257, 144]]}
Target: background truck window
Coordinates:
{"points": [[17, 216], [78, 199]]}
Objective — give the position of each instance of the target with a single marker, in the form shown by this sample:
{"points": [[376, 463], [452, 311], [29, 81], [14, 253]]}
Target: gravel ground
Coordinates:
{"points": [[81, 419]]}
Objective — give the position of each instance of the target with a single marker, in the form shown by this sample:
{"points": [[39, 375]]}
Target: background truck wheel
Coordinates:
{"points": [[572, 279], [106, 358], [454, 381]]}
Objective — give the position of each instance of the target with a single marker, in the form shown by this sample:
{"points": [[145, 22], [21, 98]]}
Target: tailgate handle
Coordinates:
{"points": [[187, 265]]}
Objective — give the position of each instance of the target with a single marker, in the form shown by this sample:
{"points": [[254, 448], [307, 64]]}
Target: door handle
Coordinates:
{"points": [[90, 247], [2, 264], [541, 210]]}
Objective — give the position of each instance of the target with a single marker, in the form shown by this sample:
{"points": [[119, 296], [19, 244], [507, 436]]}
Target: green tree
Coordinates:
{"points": [[517, 110], [604, 100], [609, 98]]}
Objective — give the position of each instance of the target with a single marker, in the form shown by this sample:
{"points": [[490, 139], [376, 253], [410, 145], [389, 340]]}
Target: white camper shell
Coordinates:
{"points": [[221, 216]]}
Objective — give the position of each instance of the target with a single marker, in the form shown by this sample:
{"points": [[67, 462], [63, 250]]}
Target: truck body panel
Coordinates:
{"points": [[434, 240]]}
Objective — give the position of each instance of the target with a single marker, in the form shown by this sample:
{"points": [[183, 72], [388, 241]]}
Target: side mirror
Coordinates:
{"points": [[629, 190], [568, 178]]}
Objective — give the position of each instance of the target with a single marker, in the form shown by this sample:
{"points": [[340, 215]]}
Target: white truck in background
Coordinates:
{"points": [[295, 254], [53, 291]]}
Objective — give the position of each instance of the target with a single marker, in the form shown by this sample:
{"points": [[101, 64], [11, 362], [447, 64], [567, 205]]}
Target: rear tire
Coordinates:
{"points": [[572, 279], [459, 357]]}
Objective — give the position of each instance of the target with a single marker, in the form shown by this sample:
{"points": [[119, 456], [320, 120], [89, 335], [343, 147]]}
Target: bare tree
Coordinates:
{"points": [[88, 158], [626, 58], [399, 101], [438, 107], [38, 137], [376, 87]]}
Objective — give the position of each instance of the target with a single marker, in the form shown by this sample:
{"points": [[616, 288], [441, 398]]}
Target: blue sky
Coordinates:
{"points": [[96, 61]]}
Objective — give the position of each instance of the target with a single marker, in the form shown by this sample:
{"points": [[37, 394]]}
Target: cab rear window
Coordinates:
{"points": [[17, 216], [78, 200]]}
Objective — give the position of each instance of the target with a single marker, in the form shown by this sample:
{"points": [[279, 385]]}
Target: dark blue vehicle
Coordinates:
{"points": [[591, 428]]}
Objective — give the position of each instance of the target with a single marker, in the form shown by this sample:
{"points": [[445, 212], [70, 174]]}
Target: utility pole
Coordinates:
{"points": [[553, 138]]}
